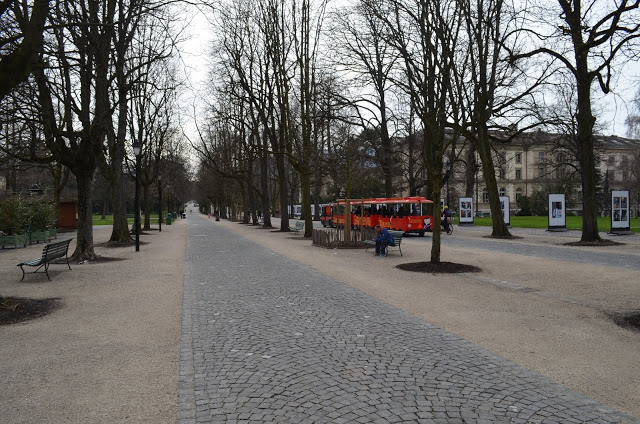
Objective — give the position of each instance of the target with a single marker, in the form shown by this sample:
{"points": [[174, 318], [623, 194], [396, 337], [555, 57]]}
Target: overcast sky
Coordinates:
{"points": [[195, 51]]}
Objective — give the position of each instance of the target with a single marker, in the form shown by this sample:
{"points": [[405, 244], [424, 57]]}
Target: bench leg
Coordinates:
{"points": [[46, 270], [22, 273]]}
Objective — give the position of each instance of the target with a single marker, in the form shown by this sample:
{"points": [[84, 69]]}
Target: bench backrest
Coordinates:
{"points": [[56, 250], [299, 224], [397, 236]]}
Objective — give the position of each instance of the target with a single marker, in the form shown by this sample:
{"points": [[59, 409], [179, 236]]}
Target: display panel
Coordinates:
{"points": [[620, 220], [466, 210], [505, 206], [557, 212]]}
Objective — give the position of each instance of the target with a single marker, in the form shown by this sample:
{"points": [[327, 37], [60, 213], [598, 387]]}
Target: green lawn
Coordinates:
{"points": [[97, 219], [573, 222]]}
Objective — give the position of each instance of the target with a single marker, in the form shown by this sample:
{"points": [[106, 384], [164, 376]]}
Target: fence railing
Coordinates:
{"points": [[334, 237]]}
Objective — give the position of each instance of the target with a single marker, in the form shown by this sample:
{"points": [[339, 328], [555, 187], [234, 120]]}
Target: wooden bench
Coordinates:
{"points": [[298, 227], [50, 252], [397, 241]]}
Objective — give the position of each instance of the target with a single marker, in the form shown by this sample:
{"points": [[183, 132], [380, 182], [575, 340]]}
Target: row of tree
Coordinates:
{"points": [[81, 80], [297, 84]]}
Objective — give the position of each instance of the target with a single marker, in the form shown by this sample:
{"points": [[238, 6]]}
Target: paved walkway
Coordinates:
{"points": [[265, 339]]}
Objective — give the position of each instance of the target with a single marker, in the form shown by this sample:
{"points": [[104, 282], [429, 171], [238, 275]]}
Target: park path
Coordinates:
{"points": [[266, 339]]}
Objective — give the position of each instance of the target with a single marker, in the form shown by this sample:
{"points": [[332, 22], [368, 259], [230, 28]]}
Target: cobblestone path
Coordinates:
{"points": [[265, 339]]}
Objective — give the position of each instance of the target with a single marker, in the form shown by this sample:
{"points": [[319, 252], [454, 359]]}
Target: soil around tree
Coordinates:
{"points": [[118, 244], [438, 268], [16, 309], [595, 243], [630, 321], [506, 237]]}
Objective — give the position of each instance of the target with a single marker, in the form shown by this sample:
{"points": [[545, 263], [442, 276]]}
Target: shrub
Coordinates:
{"points": [[14, 215], [40, 215]]}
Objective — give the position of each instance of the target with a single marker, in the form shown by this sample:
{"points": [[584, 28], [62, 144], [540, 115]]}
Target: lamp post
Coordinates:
{"points": [[159, 202], [136, 205]]}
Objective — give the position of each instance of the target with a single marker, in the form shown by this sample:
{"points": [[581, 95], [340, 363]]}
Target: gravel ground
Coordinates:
{"points": [[111, 353]]}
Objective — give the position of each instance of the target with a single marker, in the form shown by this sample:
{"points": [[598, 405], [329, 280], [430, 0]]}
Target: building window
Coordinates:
{"points": [[518, 157], [518, 174], [518, 194], [485, 196], [503, 191], [541, 157], [541, 172], [503, 173]]}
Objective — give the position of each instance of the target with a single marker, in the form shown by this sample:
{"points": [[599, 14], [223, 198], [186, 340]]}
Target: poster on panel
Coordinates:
{"points": [[620, 204], [466, 210], [557, 212], [504, 205]]}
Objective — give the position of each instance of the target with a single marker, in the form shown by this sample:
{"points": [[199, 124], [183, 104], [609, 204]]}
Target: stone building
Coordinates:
{"points": [[539, 162]]}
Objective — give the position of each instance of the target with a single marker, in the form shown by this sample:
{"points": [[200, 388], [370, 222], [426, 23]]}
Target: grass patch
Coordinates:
{"points": [[108, 219], [542, 222]]}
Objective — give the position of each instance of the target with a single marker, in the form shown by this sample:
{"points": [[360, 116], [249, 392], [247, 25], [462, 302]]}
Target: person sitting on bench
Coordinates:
{"points": [[383, 239]]}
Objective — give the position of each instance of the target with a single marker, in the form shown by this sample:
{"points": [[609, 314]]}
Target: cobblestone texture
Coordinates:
{"points": [[266, 340]]}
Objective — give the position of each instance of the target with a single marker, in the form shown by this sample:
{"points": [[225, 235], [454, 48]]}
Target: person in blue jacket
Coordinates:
{"points": [[383, 239]]}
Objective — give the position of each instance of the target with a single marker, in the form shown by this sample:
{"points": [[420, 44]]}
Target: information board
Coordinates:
{"points": [[466, 210], [620, 220], [557, 212]]}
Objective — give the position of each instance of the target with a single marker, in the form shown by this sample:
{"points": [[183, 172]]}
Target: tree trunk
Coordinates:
{"points": [[84, 246], [120, 231], [284, 192], [264, 182], [437, 224], [305, 188], [585, 122], [470, 172], [147, 207], [497, 219]]}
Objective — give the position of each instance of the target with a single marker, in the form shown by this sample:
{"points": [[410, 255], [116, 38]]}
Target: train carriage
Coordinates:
{"points": [[408, 214]]}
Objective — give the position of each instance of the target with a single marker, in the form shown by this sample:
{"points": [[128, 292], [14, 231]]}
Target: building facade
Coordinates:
{"points": [[538, 163]]}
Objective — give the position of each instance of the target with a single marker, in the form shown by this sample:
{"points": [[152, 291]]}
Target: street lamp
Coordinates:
{"points": [[136, 206]]}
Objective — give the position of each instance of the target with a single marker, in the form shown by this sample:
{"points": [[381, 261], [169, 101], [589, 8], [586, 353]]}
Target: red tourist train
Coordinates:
{"points": [[408, 214]]}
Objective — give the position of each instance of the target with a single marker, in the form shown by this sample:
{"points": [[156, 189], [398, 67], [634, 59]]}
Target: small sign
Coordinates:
{"points": [[466, 210], [557, 212]]}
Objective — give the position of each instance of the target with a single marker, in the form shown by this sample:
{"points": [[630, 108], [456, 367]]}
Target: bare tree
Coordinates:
{"points": [[493, 95], [74, 97], [362, 52], [587, 39], [425, 34], [21, 28]]}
